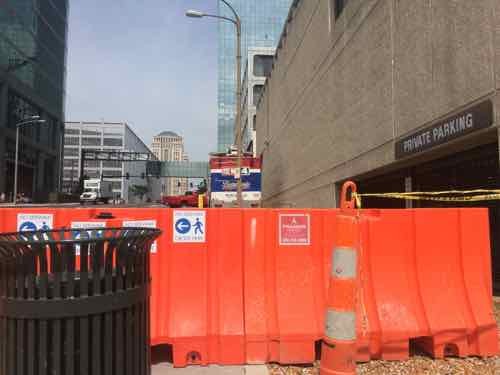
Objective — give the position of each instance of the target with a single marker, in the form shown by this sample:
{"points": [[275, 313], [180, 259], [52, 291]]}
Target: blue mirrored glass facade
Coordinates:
{"points": [[33, 48], [262, 24]]}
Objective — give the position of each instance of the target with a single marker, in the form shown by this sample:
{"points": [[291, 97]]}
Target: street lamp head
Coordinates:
{"points": [[194, 14], [31, 120]]}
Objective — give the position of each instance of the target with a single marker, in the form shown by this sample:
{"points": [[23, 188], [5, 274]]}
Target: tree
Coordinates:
{"points": [[202, 187], [139, 191]]}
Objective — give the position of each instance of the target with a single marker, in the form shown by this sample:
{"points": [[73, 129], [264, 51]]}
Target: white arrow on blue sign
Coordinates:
{"points": [[189, 226], [183, 226]]}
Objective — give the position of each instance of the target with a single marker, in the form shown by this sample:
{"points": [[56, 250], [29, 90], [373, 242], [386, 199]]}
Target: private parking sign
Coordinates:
{"points": [[189, 226]]}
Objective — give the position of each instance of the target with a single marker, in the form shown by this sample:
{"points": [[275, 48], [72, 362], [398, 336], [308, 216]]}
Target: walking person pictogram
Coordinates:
{"points": [[198, 226]]}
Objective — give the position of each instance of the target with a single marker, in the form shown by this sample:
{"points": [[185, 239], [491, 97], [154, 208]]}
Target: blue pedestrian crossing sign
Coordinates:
{"points": [[27, 226], [182, 226], [189, 226]]}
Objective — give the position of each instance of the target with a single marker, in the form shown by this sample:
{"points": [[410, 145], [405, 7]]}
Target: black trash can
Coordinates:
{"points": [[75, 302]]}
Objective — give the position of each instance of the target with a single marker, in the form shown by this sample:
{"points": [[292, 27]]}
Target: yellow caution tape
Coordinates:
{"points": [[357, 197], [477, 195]]}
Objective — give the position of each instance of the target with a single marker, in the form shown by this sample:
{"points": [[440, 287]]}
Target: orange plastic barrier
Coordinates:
{"points": [[426, 279], [197, 288], [254, 290], [285, 285]]}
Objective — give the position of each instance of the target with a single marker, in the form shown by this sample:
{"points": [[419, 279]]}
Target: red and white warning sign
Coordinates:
{"points": [[294, 229]]}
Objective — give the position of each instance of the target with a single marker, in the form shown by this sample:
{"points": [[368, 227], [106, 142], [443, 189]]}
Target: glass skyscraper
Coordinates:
{"points": [[33, 38], [262, 24]]}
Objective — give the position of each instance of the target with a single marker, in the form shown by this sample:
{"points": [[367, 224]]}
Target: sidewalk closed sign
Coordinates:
{"points": [[189, 226], [32, 222], [143, 224], [294, 229], [86, 225]]}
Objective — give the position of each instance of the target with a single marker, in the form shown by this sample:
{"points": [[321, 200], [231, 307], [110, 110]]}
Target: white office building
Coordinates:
{"points": [[259, 66], [107, 137]]}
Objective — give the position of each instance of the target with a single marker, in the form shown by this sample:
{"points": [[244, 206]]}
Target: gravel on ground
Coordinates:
{"points": [[417, 365]]}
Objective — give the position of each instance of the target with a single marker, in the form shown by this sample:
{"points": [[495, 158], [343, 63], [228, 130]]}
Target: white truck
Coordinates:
{"points": [[96, 190]]}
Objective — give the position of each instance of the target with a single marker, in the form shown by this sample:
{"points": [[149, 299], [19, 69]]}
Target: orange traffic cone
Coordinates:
{"points": [[338, 353]]}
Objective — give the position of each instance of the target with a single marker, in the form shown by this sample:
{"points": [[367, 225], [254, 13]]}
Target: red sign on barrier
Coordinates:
{"points": [[294, 229]]}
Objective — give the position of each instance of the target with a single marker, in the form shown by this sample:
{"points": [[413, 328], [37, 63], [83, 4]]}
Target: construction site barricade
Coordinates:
{"points": [[426, 282], [284, 282], [58, 316], [254, 289]]}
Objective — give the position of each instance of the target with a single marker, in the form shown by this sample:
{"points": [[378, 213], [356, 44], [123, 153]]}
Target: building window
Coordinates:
{"points": [[254, 125], [71, 141], [72, 131], [19, 109], [70, 163], [56, 132], [91, 141], [91, 132], [117, 142], [112, 164], [257, 92], [338, 7], [92, 174], [71, 151], [262, 65], [112, 173], [91, 164], [116, 185], [70, 175]]}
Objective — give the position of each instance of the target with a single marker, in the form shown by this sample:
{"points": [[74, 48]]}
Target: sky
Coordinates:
{"points": [[144, 63]]}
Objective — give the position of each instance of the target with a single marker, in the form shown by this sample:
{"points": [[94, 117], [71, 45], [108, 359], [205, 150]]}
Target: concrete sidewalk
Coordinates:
{"points": [[161, 357]]}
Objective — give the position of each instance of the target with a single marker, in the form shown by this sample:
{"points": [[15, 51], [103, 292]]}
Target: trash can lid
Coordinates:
{"points": [[16, 244]]}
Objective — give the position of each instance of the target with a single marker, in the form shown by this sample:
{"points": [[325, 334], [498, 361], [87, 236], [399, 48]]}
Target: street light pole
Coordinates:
{"points": [[239, 133], [31, 120], [14, 195], [237, 126]]}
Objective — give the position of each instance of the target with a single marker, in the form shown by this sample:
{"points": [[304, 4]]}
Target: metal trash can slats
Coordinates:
{"points": [[75, 302]]}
